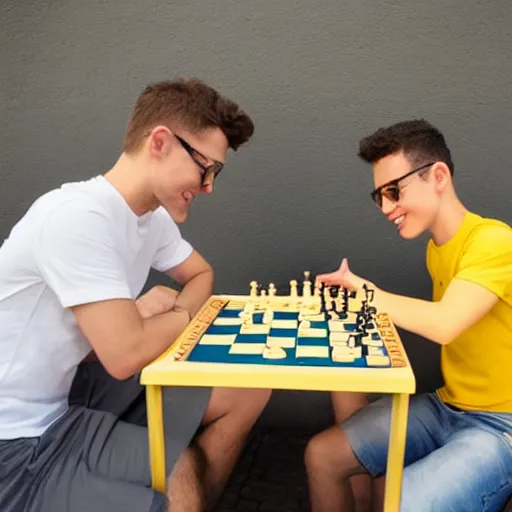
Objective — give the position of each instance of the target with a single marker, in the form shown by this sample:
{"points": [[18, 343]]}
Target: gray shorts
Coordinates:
{"points": [[95, 458]]}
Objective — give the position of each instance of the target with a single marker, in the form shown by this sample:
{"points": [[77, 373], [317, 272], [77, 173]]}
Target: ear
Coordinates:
{"points": [[160, 141], [442, 176]]}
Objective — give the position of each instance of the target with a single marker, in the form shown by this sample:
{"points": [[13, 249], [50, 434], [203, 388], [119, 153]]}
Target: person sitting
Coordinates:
{"points": [[458, 452], [73, 434]]}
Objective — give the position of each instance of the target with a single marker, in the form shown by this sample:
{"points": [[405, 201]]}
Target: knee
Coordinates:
{"points": [[250, 402], [316, 455], [330, 452], [255, 400]]}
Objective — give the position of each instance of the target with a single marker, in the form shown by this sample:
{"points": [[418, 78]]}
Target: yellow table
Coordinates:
{"points": [[172, 369]]}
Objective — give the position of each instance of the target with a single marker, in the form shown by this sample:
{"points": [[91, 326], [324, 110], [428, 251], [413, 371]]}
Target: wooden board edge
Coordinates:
{"points": [[392, 341], [188, 339]]}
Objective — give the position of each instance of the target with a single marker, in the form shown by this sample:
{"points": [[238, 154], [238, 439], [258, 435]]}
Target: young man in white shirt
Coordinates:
{"points": [[73, 434]]}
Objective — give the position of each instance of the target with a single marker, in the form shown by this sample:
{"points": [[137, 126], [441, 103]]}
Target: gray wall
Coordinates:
{"points": [[315, 75]]}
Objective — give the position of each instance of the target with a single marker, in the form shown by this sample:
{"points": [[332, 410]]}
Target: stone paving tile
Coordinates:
{"points": [[270, 475]]}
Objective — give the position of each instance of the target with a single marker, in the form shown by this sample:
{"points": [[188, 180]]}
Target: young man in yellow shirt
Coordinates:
{"points": [[459, 439]]}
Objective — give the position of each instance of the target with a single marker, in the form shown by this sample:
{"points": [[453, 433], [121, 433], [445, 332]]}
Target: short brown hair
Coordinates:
{"points": [[419, 140], [188, 102]]}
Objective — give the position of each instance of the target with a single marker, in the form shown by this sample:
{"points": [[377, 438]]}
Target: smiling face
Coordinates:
{"points": [[180, 162], [420, 193]]}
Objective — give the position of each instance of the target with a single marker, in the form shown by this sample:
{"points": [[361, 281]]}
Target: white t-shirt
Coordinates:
{"points": [[77, 244]]}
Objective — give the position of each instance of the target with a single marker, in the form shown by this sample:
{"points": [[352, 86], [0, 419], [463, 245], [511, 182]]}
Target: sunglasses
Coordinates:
{"points": [[208, 171], [391, 190]]}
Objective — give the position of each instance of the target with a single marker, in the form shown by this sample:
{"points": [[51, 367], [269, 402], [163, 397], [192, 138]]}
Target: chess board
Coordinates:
{"points": [[323, 339], [290, 331]]}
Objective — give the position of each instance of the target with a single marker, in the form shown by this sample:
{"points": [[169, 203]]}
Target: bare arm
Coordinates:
{"points": [[196, 276], [127, 335], [463, 304], [123, 341]]}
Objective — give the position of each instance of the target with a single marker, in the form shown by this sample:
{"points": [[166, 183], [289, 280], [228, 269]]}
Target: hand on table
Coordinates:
{"points": [[342, 277], [160, 299]]}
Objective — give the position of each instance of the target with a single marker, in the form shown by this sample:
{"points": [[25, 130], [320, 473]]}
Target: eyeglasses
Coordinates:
{"points": [[208, 172], [391, 190]]}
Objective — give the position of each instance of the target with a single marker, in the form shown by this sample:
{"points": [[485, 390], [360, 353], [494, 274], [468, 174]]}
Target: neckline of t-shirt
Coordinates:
{"points": [[469, 218], [140, 219]]}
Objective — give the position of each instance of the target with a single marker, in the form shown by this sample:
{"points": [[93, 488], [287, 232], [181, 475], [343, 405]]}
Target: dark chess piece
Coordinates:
{"points": [[333, 291], [368, 322], [361, 323], [323, 307], [343, 312], [333, 294], [369, 295]]}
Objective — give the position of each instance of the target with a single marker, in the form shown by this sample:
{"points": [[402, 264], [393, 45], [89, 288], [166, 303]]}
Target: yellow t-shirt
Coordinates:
{"points": [[477, 365]]}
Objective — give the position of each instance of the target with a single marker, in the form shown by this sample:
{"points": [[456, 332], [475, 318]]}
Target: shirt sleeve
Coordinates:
{"points": [[77, 256], [487, 261], [172, 249]]}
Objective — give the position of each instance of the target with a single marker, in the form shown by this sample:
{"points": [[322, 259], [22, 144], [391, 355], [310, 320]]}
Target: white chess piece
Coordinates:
{"points": [[306, 290], [263, 299], [268, 316]]}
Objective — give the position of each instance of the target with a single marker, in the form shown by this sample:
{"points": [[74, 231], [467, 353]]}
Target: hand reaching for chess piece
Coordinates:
{"points": [[343, 277]]}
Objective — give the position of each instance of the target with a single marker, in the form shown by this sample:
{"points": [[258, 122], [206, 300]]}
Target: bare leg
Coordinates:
{"points": [[378, 494], [185, 492], [344, 405], [330, 463], [230, 416]]}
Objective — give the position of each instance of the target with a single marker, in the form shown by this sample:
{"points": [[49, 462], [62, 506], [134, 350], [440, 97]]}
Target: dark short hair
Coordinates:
{"points": [[417, 139], [188, 102]]}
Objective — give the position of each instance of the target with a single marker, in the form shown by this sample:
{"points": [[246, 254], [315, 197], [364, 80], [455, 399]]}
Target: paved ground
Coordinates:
{"points": [[270, 475]]}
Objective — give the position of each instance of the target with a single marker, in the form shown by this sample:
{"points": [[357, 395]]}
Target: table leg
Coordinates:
{"points": [[156, 436], [399, 413]]}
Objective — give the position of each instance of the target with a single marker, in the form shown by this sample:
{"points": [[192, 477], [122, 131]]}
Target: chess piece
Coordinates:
{"points": [[322, 298], [274, 353], [332, 296], [361, 323], [249, 307], [343, 310], [327, 299], [370, 293], [254, 289], [271, 290], [293, 288], [317, 298], [306, 290], [263, 299]]}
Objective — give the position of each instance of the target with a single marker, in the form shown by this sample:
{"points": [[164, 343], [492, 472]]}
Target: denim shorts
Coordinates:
{"points": [[455, 461]]}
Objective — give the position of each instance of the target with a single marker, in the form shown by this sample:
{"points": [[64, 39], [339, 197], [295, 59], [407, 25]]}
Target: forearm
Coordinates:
{"points": [[463, 304], [415, 315], [154, 334], [157, 334], [196, 292], [160, 331]]}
